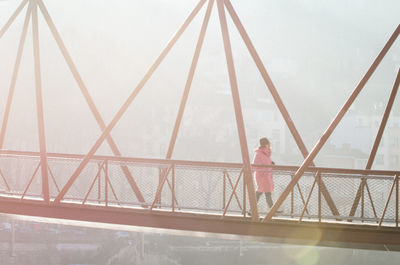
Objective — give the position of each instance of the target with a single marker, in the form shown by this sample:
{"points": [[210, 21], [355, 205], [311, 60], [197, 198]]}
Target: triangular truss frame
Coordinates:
{"points": [[32, 12]]}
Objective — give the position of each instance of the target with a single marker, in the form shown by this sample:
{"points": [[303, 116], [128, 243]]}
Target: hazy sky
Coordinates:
{"points": [[315, 51]]}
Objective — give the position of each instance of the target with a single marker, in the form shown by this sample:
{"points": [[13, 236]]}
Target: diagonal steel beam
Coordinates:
{"points": [[87, 97], [39, 105], [14, 76], [276, 97], [377, 142], [189, 79], [12, 18], [238, 111], [5, 180], [125, 106], [188, 85], [333, 125]]}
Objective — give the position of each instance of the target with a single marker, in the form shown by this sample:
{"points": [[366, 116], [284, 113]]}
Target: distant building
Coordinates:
{"points": [[357, 131]]}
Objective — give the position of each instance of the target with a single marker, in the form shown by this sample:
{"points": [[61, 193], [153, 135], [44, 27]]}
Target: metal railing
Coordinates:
{"points": [[203, 187]]}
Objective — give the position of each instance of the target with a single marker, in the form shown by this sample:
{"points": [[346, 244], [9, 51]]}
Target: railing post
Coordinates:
{"points": [[319, 197], [363, 201], [292, 201], [173, 188], [106, 182], [224, 190], [99, 185], [397, 201], [244, 197]]}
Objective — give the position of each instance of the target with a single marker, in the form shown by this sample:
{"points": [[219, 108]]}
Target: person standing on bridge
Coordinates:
{"points": [[265, 182]]}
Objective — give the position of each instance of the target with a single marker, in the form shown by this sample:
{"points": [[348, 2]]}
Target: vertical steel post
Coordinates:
{"points": [[333, 125], [238, 111], [276, 97], [397, 202], [125, 106], [319, 197], [99, 185], [224, 190], [88, 98], [161, 173], [12, 18], [106, 182], [14, 76], [39, 105], [362, 203], [173, 188], [244, 210], [377, 141], [292, 201]]}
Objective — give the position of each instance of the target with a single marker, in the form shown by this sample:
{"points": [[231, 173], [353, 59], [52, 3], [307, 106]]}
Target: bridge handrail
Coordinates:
{"points": [[115, 159]]}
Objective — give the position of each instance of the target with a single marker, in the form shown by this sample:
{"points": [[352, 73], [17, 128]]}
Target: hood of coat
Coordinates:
{"points": [[264, 150]]}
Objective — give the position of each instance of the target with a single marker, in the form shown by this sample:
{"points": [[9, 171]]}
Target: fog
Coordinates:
{"points": [[316, 52]]}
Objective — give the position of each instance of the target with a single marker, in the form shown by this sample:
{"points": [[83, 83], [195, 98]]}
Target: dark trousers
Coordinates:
{"points": [[268, 198]]}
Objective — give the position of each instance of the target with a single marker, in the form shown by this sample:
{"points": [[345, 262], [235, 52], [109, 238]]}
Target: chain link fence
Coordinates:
{"points": [[200, 188]]}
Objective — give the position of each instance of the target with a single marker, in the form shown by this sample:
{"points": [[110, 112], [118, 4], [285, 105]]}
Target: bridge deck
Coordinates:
{"points": [[279, 230]]}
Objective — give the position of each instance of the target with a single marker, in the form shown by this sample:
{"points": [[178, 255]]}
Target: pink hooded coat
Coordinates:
{"points": [[264, 179]]}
